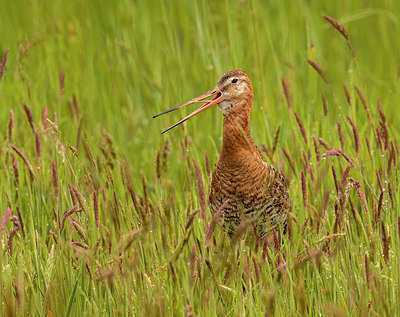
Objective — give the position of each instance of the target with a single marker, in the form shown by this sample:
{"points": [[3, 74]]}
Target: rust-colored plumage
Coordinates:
{"points": [[256, 191]]}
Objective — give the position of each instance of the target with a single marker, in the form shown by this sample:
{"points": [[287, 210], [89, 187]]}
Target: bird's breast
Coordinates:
{"points": [[254, 189], [243, 184]]}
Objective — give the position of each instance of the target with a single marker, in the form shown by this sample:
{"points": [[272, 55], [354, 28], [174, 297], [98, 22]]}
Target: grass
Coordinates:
{"points": [[102, 215]]}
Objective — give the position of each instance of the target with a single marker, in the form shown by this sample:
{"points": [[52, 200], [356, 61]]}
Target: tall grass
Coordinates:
{"points": [[102, 215]]}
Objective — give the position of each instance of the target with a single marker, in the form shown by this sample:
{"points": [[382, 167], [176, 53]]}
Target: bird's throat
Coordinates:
{"points": [[237, 140]]}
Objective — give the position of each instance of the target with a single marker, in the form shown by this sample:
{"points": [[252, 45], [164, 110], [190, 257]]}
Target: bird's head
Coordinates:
{"points": [[233, 94], [236, 90]]}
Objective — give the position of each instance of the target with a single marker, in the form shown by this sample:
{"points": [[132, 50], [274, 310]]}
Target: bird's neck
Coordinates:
{"points": [[237, 140]]}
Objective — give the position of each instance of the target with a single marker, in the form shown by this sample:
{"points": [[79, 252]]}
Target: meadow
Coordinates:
{"points": [[103, 215]]}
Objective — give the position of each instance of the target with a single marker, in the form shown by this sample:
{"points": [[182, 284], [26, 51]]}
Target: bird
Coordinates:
{"points": [[254, 190]]}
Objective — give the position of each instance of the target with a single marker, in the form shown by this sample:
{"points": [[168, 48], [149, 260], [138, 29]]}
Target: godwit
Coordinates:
{"points": [[256, 191]]}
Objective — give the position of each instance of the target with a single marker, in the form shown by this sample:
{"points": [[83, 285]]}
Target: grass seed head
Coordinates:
{"points": [[11, 125], [345, 175], [192, 263], [304, 189], [116, 212], [74, 223], [3, 63], [342, 31], [15, 168], [4, 219], [30, 117], [337, 26], [56, 218], [96, 210], [80, 244], [368, 145], [21, 222], [38, 147], [356, 137], [214, 222], [392, 157], [286, 92], [340, 135], [338, 153], [324, 104], [390, 194], [346, 92], [26, 161], [386, 244], [276, 242], [302, 130], [67, 214], [76, 105], [276, 139], [380, 202], [200, 188], [335, 179], [71, 109], [379, 179], [316, 149], [305, 160], [109, 144], [12, 233], [327, 246], [365, 105], [44, 119], [55, 181], [319, 70], [337, 218], [72, 194], [324, 144], [326, 202], [383, 133]]}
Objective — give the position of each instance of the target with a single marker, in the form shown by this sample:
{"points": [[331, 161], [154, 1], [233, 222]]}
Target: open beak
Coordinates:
{"points": [[208, 103]]}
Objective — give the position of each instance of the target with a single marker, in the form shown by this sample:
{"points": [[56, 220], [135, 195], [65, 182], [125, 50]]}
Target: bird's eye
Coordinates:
{"points": [[234, 80]]}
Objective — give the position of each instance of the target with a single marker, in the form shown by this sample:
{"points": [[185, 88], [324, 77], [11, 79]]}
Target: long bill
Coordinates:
{"points": [[208, 103]]}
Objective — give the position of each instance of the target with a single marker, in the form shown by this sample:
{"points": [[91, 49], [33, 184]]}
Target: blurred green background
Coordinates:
{"points": [[128, 60], [125, 61]]}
